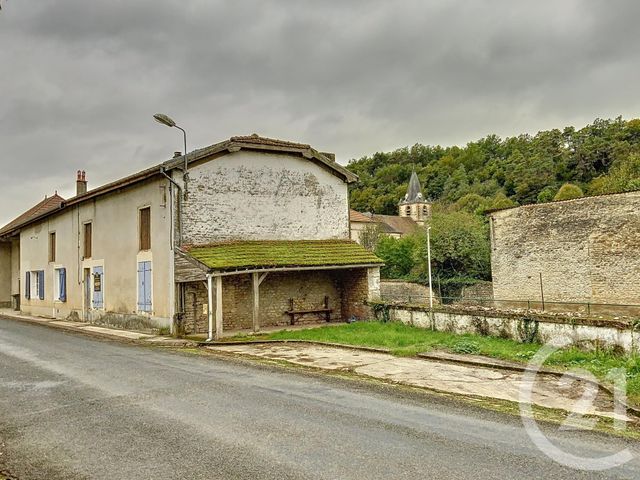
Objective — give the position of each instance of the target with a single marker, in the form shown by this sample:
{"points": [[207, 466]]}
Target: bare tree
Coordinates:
{"points": [[370, 236]]}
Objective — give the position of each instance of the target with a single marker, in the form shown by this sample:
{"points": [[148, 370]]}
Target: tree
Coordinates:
{"points": [[460, 251], [624, 176], [568, 191], [546, 194], [398, 255], [370, 236]]}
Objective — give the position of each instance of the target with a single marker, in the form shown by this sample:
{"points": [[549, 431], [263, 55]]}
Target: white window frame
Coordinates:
{"points": [[35, 285]]}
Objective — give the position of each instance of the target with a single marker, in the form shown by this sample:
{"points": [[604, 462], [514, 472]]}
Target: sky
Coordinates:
{"points": [[80, 80]]}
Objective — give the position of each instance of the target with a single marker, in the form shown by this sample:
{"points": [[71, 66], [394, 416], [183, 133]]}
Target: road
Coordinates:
{"points": [[75, 407]]}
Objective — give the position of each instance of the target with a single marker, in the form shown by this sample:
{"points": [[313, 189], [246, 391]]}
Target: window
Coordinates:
{"points": [[52, 247], [145, 228], [60, 284], [408, 210], [144, 287], [34, 285], [87, 240]]}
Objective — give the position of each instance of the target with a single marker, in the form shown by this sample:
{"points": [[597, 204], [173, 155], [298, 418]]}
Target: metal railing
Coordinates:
{"points": [[582, 308]]}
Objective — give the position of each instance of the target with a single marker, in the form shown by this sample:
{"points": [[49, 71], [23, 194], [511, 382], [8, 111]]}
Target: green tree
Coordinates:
{"points": [[398, 255], [624, 176], [568, 191], [460, 251]]}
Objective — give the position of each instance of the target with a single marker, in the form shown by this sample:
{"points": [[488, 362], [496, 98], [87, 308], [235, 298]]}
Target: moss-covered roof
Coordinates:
{"points": [[281, 254]]}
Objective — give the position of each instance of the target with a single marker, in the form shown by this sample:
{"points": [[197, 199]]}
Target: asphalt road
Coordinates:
{"points": [[73, 407]]}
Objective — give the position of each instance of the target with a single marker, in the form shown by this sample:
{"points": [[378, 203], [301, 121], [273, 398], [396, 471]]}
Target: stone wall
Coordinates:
{"points": [[587, 250], [348, 292], [483, 290], [264, 196], [581, 332], [401, 291]]}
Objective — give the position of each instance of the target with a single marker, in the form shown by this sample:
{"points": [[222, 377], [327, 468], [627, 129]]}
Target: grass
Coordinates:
{"points": [[404, 340]]}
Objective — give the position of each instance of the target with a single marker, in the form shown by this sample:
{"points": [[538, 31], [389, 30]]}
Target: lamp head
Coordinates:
{"points": [[164, 119]]}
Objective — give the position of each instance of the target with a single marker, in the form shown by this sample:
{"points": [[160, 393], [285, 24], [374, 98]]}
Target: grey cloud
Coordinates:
{"points": [[80, 80]]}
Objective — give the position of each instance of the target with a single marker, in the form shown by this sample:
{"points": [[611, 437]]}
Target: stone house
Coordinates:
{"points": [[581, 250], [413, 212], [255, 232]]}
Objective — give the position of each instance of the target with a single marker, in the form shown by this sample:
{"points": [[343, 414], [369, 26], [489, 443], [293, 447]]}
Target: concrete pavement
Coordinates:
{"points": [[74, 407]]}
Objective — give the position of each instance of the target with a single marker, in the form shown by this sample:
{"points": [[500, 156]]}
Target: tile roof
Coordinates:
{"points": [[355, 216], [48, 205], [244, 255], [401, 225], [274, 142]]}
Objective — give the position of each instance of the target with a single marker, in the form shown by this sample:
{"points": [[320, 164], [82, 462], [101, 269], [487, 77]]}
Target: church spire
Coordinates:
{"points": [[414, 192], [413, 204]]}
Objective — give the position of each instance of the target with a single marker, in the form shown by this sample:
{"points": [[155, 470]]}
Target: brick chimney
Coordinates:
{"points": [[81, 183]]}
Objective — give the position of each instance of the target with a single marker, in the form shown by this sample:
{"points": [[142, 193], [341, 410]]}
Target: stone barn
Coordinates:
{"points": [[580, 250]]}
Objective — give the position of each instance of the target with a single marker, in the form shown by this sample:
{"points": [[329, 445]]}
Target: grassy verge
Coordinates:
{"points": [[404, 340]]}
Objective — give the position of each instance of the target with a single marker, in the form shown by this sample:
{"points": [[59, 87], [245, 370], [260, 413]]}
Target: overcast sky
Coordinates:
{"points": [[80, 80]]}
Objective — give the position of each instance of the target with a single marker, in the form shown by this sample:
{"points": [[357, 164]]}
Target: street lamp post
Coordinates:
{"points": [[169, 122], [429, 262]]}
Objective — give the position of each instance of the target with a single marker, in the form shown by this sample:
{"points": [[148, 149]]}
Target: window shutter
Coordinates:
{"points": [[145, 228], [63, 284], [27, 286], [41, 284]]}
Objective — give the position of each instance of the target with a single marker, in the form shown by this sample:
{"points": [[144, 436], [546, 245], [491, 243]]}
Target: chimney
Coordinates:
{"points": [[81, 183], [177, 154]]}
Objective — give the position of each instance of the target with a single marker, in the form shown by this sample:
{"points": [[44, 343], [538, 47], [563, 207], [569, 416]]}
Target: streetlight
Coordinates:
{"points": [[429, 261], [169, 122]]}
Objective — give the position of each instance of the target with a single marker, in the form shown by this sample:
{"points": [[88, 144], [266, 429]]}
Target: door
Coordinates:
{"points": [[98, 287], [144, 287]]}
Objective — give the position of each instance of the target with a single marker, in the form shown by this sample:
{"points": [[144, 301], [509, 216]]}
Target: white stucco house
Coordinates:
{"points": [[254, 232]]}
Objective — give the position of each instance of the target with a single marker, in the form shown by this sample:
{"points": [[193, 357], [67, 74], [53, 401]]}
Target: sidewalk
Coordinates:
{"points": [[550, 391], [105, 332]]}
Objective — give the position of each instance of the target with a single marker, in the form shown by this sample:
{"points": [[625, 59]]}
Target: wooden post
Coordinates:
{"points": [[256, 302], [210, 306], [218, 307]]}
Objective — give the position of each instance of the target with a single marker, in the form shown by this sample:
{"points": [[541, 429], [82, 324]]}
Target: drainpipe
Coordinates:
{"points": [[210, 300], [178, 206]]}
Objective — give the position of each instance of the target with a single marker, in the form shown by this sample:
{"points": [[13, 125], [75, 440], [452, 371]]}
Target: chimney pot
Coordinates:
{"points": [[81, 182]]}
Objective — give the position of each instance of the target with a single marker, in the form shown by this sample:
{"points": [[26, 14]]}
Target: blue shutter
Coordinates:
{"points": [[144, 286], [63, 284], [41, 284], [140, 286], [27, 286], [147, 287]]}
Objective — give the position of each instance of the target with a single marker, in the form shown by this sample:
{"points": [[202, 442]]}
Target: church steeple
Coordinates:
{"points": [[414, 204]]}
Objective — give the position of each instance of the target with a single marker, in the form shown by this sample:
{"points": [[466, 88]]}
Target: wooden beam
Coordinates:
{"points": [[218, 308], [262, 277], [209, 286], [256, 301]]}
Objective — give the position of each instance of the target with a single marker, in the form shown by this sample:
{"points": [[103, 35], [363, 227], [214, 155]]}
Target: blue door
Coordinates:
{"points": [[144, 287], [98, 287]]}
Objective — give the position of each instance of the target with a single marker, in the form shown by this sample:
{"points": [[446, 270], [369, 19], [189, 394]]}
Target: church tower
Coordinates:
{"points": [[414, 204]]}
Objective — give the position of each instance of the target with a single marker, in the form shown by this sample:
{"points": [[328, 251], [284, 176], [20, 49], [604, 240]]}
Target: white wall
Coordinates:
{"points": [[115, 247], [263, 196]]}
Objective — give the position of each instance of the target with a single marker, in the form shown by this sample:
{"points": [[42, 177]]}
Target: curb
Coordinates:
{"points": [[307, 342], [90, 333]]}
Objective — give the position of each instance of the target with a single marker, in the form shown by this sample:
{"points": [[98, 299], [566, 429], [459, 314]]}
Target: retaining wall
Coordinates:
{"points": [[585, 333]]}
